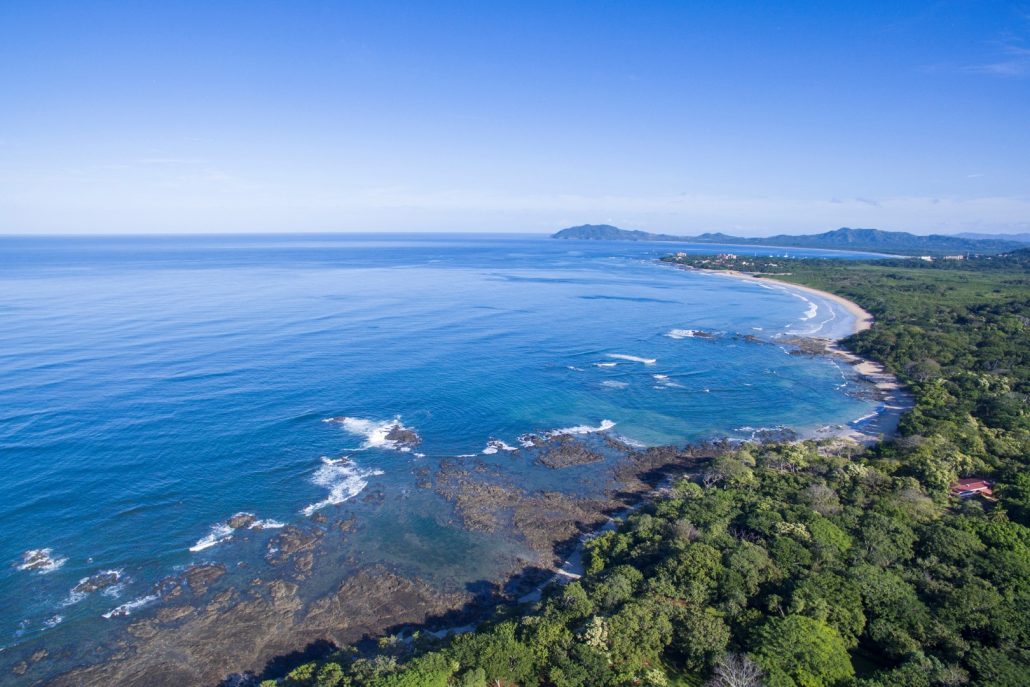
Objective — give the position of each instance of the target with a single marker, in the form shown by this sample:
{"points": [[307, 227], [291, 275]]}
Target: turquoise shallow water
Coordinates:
{"points": [[152, 387]]}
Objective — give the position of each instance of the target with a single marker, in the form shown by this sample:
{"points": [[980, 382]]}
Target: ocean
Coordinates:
{"points": [[153, 387]]}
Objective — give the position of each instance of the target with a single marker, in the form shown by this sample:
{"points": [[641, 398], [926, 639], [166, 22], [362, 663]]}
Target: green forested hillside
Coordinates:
{"points": [[804, 564], [845, 238]]}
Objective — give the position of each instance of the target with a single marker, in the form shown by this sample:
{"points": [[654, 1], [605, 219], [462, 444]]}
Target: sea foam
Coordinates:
{"points": [[495, 445], [223, 531], [633, 358], [344, 480], [128, 608], [218, 534], [42, 561], [375, 432], [583, 429]]}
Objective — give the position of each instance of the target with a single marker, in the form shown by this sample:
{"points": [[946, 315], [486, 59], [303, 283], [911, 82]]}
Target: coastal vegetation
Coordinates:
{"points": [[810, 563]]}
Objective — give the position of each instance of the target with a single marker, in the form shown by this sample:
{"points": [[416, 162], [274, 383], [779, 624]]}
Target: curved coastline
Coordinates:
{"points": [[415, 603], [863, 320], [894, 399]]}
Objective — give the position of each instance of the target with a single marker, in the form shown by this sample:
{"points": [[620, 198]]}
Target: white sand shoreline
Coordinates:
{"points": [[863, 320], [894, 399]]}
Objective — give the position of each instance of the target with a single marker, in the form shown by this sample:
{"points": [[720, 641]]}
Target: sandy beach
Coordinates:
{"points": [[862, 319], [894, 399]]}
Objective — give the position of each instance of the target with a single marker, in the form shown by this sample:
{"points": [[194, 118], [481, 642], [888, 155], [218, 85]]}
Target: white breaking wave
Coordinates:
{"points": [[74, 597], [42, 561], [631, 442], [663, 382], [605, 364], [128, 608], [495, 445], [53, 621], [267, 524], [611, 384], [681, 333], [633, 358], [374, 431], [583, 429], [812, 309], [344, 480], [223, 531], [218, 534], [113, 590]]}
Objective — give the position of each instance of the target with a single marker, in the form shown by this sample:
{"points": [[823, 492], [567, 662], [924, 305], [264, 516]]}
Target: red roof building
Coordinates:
{"points": [[971, 486]]}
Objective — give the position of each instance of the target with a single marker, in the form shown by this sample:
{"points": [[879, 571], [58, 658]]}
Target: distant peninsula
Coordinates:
{"points": [[872, 240]]}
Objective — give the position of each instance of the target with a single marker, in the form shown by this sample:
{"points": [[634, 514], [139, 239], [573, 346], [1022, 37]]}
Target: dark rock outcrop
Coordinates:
{"points": [[93, 583]]}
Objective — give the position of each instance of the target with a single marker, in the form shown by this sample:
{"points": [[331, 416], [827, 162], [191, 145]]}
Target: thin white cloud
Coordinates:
{"points": [[1013, 60]]}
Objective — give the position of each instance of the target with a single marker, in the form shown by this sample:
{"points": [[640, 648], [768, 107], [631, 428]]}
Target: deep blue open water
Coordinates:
{"points": [[152, 387]]}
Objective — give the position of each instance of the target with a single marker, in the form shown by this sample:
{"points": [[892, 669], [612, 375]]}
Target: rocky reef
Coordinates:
{"points": [[208, 623]]}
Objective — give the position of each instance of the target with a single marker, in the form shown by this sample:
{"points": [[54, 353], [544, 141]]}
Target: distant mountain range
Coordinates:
{"points": [[871, 240]]}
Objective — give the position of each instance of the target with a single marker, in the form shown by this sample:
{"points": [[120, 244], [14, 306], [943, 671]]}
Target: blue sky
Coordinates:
{"points": [[485, 116]]}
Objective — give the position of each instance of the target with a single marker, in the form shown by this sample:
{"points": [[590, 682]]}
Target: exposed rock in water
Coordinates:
{"points": [[402, 436], [303, 563], [563, 451], [805, 345], [171, 613], [648, 468], [616, 443], [290, 541], [38, 559], [252, 627], [93, 583], [548, 520], [249, 630], [541, 520], [774, 435], [422, 480], [200, 577], [241, 521]]}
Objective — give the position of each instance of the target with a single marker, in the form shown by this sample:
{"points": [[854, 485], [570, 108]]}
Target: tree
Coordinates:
{"points": [[700, 636], [331, 675], [801, 652], [637, 635], [736, 670], [834, 600]]}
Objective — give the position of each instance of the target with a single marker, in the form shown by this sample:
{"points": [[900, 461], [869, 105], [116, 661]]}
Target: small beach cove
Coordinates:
{"points": [[893, 398]]}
